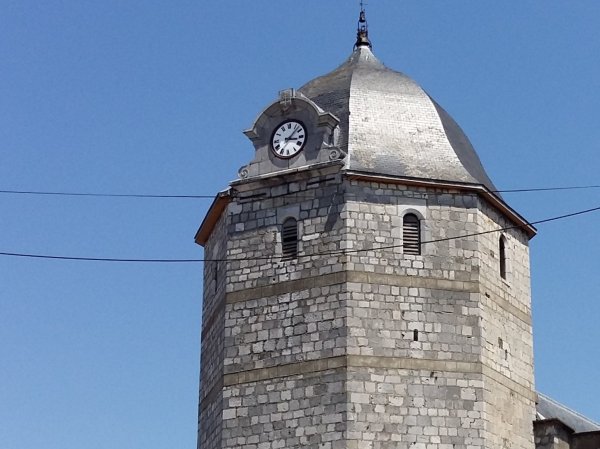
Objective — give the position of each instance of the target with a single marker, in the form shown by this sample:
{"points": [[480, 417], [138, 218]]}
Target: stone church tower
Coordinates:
{"points": [[366, 287]]}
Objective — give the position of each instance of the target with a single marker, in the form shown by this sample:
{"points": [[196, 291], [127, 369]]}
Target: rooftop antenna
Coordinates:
{"points": [[362, 34]]}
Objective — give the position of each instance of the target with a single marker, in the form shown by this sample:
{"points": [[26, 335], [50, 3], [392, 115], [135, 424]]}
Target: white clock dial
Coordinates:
{"points": [[288, 139]]}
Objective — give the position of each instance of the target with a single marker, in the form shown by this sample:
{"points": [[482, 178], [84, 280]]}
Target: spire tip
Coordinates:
{"points": [[362, 33]]}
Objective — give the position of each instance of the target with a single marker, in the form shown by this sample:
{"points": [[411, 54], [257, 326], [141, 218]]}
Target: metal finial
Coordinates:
{"points": [[362, 33]]}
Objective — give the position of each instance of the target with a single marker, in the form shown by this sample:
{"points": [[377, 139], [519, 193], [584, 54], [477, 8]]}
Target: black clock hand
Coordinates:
{"points": [[293, 132], [288, 139]]}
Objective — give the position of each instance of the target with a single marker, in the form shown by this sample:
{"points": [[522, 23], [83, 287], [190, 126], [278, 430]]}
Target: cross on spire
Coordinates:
{"points": [[362, 33]]}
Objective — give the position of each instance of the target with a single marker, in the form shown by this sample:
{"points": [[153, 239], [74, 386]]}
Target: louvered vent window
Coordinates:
{"points": [[411, 234], [502, 251], [289, 239]]}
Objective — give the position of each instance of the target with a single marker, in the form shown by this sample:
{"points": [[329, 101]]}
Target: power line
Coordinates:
{"points": [[161, 196], [508, 228], [106, 195], [101, 259], [337, 252], [547, 189]]}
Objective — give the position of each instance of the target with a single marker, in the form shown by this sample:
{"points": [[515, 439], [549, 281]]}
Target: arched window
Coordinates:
{"points": [[411, 234], [289, 239], [502, 252]]}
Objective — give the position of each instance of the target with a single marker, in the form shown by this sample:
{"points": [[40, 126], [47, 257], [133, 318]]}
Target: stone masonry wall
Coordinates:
{"points": [[305, 410], [552, 434], [396, 348], [413, 408], [435, 309], [415, 319], [284, 319], [213, 320], [254, 225], [507, 342], [308, 324]]}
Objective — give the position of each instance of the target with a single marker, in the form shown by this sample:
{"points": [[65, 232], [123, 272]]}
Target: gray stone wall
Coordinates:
{"points": [[400, 350], [255, 219], [413, 408], [416, 317], [307, 324], [552, 434], [303, 410], [213, 328], [507, 343], [276, 318]]}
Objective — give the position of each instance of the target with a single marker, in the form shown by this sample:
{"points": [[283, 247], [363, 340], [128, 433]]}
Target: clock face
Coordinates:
{"points": [[288, 139]]}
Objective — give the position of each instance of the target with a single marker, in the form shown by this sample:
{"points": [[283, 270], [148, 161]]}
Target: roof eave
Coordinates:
{"points": [[215, 211], [480, 189]]}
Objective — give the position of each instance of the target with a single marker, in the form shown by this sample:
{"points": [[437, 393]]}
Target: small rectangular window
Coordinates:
{"points": [[502, 249], [411, 234], [289, 239], [216, 275]]}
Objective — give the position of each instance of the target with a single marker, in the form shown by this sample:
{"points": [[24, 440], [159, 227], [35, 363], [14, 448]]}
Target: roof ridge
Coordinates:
{"points": [[570, 410]]}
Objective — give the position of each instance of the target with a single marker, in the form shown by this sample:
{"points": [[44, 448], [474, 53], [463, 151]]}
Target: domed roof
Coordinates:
{"points": [[390, 126]]}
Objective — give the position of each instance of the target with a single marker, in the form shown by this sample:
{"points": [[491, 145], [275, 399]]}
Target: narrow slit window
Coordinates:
{"points": [[415, 335], [411, 234], [216, 275], [502, 251], [289, 239]]}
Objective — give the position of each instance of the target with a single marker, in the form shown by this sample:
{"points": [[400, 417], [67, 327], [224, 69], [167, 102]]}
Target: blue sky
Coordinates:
{"points": [[151, 97]]}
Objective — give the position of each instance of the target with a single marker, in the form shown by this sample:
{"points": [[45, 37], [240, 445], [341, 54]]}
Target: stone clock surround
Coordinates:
{"points": [[320, 146]]}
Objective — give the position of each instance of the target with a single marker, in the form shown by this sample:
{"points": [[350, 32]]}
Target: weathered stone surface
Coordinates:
{"points": [[355, 344], [552, 434], [213, 328]]}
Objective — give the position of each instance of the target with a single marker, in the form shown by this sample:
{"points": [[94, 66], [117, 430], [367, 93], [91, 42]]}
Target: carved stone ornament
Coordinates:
{"points": [[335, 154], [243, 172]]}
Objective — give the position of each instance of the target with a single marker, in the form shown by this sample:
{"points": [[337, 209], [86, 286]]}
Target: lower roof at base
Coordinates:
{"points": [[548, 408]]}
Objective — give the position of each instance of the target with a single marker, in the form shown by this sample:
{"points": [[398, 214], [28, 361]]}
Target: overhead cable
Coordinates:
{"points": [[107, 195], [162, 196], [336, 252]]}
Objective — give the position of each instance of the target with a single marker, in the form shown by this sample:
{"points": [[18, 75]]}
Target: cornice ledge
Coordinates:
{"points": [[480, 189]]}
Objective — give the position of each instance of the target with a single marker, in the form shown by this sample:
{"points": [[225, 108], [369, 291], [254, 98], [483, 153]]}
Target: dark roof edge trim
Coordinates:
{"points": [[588, 432], [215, 211], [225, 197]]}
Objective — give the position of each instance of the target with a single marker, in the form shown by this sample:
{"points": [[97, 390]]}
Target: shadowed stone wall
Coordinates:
{"points": [[552, 434], [213, 328]]}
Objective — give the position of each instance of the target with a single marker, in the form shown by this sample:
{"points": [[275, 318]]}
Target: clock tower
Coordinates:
{"points": [[365, 287]]}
